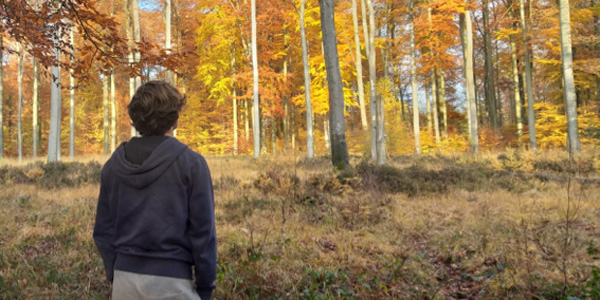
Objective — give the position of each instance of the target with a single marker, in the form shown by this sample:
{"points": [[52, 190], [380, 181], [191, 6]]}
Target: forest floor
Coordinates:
{"points": [[512, 225]]}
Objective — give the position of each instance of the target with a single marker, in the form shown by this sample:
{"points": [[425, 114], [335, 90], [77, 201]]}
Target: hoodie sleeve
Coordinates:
{"points": [[104, 232], [202, 228]]}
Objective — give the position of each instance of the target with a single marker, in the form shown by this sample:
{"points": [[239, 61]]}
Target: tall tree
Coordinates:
{"points": [[371, 56], [1, 97], [36, 103], [55, 105], [105, 102], [573, 143], [489, 83], [71, 100], [168, 12], [516, 84], [113, 112], [413, 78], [137, 36], [528, 80], [309, 115], [339, 150], [359, 74], [20, 70], [255, 106], [131, 49], [470, 81], [234, 100]]}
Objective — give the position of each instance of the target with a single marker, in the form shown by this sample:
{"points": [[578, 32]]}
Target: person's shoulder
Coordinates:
{"points": [[189, 155]]}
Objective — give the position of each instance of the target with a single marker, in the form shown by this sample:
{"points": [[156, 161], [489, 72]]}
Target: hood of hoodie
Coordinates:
{"points": [[140, 176]]}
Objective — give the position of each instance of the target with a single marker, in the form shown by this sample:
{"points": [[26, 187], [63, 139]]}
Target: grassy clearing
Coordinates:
{"points": [[430, 227]]}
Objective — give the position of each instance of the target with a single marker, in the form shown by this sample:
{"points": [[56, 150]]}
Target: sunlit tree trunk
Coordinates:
{"points": [[326, 133], [255, 107], [372, 81], [517, 95], [428, 106], [20, 70], [55, 107], [105, 102], [36, 103], [413, 79], [71, 101], [309, 115], [470, 82], [246, 120], [490, 95], [573, 142], [339, 150], [528, 80], [442, 100], [168, 12], [137, 36], [113, 113], [359, 74], [130, 57], [1, 98], [434, 108], [273, 136], [235, 109], [365, 26]]}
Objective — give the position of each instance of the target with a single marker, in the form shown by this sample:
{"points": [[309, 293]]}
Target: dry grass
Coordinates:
{"points": [[291, 229]]}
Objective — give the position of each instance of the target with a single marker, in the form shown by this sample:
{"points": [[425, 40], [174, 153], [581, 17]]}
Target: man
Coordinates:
{"points": [[155, 216]]}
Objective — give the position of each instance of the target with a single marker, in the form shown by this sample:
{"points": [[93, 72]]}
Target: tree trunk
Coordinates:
{"points": [[528, 80], [137, 36], [286, 103], [235, 109], [573, 143], [168, 12], [428, 106], [309, 115], [436, 119], [363, 11], [490, 95], [55, 108], [113, 113], [72, 101], [273, 136], [105, 102], [359, 74], [517, 95], [339, 151], [246, 120], [36, 103], [413, 79], [255, 106], [326, 133], [130, 57], [372, 83], [470, 83], [20, 70], [1, 98], [442, 100]]}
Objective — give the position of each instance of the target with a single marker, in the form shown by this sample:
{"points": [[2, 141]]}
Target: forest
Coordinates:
{"points": [[359, 149]]}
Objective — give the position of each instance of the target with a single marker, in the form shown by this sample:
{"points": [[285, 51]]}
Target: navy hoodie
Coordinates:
{"points": [[157, 217]]}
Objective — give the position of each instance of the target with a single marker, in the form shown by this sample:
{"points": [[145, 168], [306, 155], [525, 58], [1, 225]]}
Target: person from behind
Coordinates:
{"points": [[155, 222]]}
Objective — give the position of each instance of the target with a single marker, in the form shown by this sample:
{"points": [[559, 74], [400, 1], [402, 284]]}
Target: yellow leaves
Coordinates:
{"points": [[506, 33]]}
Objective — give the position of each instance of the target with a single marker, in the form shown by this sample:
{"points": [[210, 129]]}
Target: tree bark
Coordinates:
{"points": [[137, 37], [309, 115], [339, 151], [72, 101], [528, 80], [413, 79], [470, 82], [573, 143], [436, 119], [246, 120], [235, 108], [55, 108], [36, 103], [105, 102], [442, 100], [372, 54], [113, 113], [20, 70], [130, 57], [359, 74], [428, 106], [1, 98], [168, 12], [255, 106], [517, 95], [490, 95]]}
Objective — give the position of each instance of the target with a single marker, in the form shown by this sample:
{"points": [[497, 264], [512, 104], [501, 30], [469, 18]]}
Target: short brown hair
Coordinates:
{"points": [[155, 107]]}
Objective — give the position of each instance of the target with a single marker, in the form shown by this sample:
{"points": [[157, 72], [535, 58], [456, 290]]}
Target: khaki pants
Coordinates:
{"points": [[132, 286]]}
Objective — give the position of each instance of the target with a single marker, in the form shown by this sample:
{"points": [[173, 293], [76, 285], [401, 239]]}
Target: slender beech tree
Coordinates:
{"points": [[573, 143], [106, 103], [168, 12], [309, 115], [434, 90], [413, 78], [517, 94], [371, 57], [441, 89], [137, 36], [428, 107], [234, 100], [131, 56], [20, 70], [339, 150], [1, 97], [36, 103], [489, 83], [470, 81], [528, 80], [255, 107], [55, 105], [71, 100], [113, 113], [359, 75]]}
